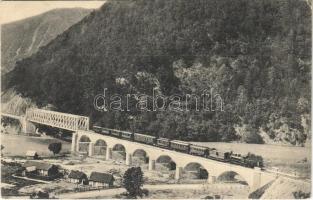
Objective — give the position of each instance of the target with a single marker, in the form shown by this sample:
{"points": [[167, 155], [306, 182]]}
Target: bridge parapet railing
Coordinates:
{"points": [[58, 119]]}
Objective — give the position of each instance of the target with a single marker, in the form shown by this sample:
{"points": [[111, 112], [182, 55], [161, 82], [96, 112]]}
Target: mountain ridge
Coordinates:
{"points": [[255, 56], [22, 38]]}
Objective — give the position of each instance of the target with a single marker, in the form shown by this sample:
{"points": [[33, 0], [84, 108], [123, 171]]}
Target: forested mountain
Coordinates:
{"points": [[22, 38], [255, 54]]}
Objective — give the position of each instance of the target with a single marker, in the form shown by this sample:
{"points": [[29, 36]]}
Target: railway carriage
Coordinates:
{"points": [[180, 146], [97, 129], [105, 131], [220, 155], [163, 142], [147, 139], [126, 135], [101, 130], [199, 150], [116, 133]]}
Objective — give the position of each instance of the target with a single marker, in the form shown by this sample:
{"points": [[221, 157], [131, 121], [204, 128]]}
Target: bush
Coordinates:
{"points": [[251, 135], [301, 195], [55, 147], [132, 182], [39, 195]]}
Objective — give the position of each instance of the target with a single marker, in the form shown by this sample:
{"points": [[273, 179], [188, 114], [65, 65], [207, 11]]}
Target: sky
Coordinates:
{"points": [[16, 10]]}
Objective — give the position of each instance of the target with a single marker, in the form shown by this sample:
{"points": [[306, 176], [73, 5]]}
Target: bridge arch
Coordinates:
{"points": [[83, 144], [195, 170], [166, 162], [84, 138], [233, 176], [119, 152], [100, 147], [140, 156]]}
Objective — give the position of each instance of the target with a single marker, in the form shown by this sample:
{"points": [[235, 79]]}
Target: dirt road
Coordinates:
{"points": [[115, 191]]}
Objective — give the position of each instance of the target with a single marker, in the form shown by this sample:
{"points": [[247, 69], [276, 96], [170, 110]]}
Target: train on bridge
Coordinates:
{"points": [[249, 160]]}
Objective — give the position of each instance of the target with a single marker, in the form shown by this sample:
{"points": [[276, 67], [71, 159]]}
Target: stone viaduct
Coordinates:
{"points": [[83, 137], [255, 178]]}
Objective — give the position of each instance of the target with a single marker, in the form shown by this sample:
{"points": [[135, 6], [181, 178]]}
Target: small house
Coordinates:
{"points": [[32, 155], [40, 169], [98, 179], [78, 177]]}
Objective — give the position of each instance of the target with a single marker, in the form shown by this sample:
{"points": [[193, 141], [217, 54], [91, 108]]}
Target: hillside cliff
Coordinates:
{"points": [[255, 54], [23, 38]]}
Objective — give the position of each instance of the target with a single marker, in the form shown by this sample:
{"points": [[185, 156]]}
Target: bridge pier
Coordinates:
{"points": [[151, 164], [74, 143], [27, 126], [178, 173], [77, 146], [108, 155], [91, 149], [256, 180], [211, 179], [128, 159]]}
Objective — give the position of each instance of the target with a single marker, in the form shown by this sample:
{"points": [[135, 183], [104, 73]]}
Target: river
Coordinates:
{"points": [[18, 145]]}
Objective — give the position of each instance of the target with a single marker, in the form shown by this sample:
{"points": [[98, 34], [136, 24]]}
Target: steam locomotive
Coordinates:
{"points": [[185, 147]]}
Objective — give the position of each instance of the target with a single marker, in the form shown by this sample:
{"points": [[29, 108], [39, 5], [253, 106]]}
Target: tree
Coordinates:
{"points": [[39, 195], [132, 182], [55, 147]]}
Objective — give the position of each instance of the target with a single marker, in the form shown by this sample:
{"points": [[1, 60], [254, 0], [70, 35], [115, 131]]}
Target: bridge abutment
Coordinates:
{"points": [[27, 126]]}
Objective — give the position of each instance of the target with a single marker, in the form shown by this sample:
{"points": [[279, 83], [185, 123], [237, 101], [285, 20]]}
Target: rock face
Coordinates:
{"points": [[23, 38], [13, 103], [254, 54], [284, 188]]}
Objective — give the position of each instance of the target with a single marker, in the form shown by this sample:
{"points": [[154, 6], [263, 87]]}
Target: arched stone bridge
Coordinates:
{"points": [[254, 177], [90, 140]]}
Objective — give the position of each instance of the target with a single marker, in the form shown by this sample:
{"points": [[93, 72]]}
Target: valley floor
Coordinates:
{"points": [[160, 183]]}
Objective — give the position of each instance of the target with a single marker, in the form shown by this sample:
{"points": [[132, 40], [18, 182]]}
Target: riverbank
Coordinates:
{"points": [[18, 145]]}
